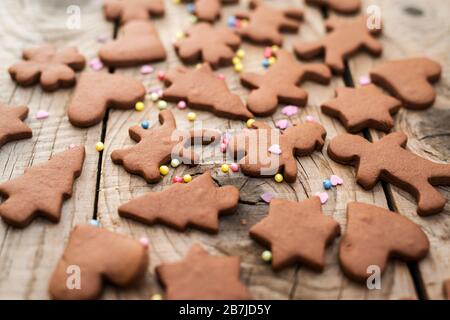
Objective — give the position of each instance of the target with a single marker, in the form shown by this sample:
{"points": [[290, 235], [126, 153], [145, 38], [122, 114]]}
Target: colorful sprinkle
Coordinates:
{"points": [[310, 119], [223, 147], [289, 110], [236, 60], [161, 75], [179, 35], [234, 167], [225, 168], [323, 196], [139, 106], [364, 80], [177, 179], [266, 63], [221, 76], [267, 197], [156, 296], [266, 256], [94, 222], [240, 53], [250, 123], [99, 146], [175, 162], [187, 178], [164, 170], [282, 124], [154, 96], [144, 241], [191, 8], [238, 67], [267, 52], [275, 149], [147, 69], [162, 104], [41, 115], [336, 180], [193, 19], [96, 64], [191, 116], [272, 60], [102, 38], [231, 21], [279, 178], [181, 105], [72, 146], [145, 124], [275, 48], [327, 184]]}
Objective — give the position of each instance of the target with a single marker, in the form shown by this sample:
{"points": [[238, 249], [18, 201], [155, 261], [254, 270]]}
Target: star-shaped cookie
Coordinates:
{"points": [[11, 124], [296, 232], [361, 108], [198, 203], [201, 276]]}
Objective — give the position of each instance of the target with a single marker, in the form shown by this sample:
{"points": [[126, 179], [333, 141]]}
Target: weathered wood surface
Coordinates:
{"points": [[27, 257]]}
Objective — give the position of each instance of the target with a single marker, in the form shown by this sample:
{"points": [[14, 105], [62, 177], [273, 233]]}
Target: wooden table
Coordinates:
{"points": [[28, 256]]}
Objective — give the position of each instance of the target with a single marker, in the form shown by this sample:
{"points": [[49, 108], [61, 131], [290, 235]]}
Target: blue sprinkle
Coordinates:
{"points": [[327, 184], [95, 223], [266, 63], [231, 21], [191, 8], [145, 124]]}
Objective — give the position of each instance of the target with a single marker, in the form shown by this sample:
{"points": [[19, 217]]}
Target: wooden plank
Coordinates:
{"points": [[28, 256], [117, 186], [420, 28]]}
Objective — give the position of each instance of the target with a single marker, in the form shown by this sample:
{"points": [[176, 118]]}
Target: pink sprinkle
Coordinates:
{"points": [[223, 147], [310, 119], [161, 75], [323, 196], [267, 52], [72, 146], [275, 149], [364, 80], [267, 197], [144, 241], [181, 104], [238, 23], [96, 64], [177, 179], [234, 167], [41, 115], [221, 76], [289, 110], [102, 38], [282, 124], [146, 69], [336, 180]]}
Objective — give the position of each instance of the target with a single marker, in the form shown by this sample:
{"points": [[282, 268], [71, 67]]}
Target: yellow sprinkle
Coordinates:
{"points": [[236, 60], [244, 23], [164, 170], [193, 19], [238, 67], [279, 177], [175, 162], [225, 168], [272, 60], [191, 116], [99, 146], [179, 35], [198, 65], [250, 122], [240, 54], [154, 96], [266, 256], [275, 48], [157, 296], [139, 106], [187, 178]]}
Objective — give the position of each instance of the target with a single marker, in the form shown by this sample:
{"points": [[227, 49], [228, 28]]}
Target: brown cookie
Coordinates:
{"points": [[42, 189], [296, 232], [198, 204], [265, 23], [97, 255], [346, 38], [203, 90], [361, 108], [209, 10], [98, 91], [280, 83], [12, 126], [409, 80], [138, 43], [266, 151], [373, 236], [53, 68], [387, 160], [203, 42], [446, 289], [128, 10], [157, 146], [340, 6], [200, 276]]}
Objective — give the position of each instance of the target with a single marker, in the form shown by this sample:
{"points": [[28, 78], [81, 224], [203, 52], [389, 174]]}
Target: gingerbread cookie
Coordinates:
{"points": [[280, 83], [265, 23], [98, 91], [373, 236], [387, 160], [209, 10], [12, 126], [409, 80], [296, 232], [340, 6], [446, 289], [96, 255], [200, 276], [266, 151], [346, 37], [138, 43], [129, 10], [198, 204], [361, 108], [203, 90], [203, 42], [42, 189], [53, 68], [159, 145]]}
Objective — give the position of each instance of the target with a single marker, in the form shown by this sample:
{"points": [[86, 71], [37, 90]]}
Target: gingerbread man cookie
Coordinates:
{"points": [[446, 289], [203, 90], [280, 83], [409, 80], [159, 145], [346, 37], [97, 254], [200, 276], [42, 189], [296, 232], [98, 91], [198, 203], [361, 108], [53, 68], [129, 10], [209, 10], [265, 23], [138, 43], [12, 126], [373, 236], [340, 6], [265, 151], [387, 160], [203, 42]]}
